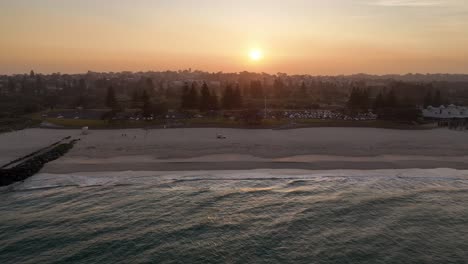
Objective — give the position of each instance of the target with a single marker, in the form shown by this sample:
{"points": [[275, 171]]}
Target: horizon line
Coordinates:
{"points": [[232, 72]]}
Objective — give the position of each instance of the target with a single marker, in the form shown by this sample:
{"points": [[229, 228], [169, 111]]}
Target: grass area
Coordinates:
{"points": [[101, 124], [12, 124]]}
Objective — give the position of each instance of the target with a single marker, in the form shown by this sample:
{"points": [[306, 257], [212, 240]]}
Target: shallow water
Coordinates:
{"points": [[407, 216]]}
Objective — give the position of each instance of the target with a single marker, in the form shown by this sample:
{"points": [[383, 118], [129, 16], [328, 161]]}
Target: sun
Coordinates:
{"points": [[255, 55]]}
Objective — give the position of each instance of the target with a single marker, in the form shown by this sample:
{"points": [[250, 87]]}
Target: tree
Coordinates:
{"points": [[205, 98], [185, 100], [303, 90], [149, 86], [51, 100], [135, 99], [82, 86], [256, 89], [278, 88], [428, 99], [391, 99], [237, 97], [193, 100], [379, 102], [159, 108], [358, 100], [228, 100], [146, 104], [11, 85], [437, 101], [214, 104], [364, 100], [111, 101]]}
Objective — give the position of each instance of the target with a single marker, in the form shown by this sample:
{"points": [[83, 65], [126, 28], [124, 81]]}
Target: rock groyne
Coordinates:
{"points": [[33, 164]]}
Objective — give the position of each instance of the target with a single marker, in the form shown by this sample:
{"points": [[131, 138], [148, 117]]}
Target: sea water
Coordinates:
{"points": [[263, 216]]}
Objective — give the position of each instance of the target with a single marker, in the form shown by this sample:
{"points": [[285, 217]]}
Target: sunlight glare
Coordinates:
{"points": [[256, 55]]}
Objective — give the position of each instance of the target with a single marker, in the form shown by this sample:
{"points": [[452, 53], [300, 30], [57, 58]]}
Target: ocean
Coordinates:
{"points": [[259, 216]]}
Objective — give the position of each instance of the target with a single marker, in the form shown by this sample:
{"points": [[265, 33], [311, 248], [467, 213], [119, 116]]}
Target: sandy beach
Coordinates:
{"points": [[199, 149]]}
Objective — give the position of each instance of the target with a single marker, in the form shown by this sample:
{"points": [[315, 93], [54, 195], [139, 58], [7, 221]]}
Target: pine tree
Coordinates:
{"points": [[11, 85], [256, 89], [237, 97], [437, 99], [146, 104], [379, 102], [149, 86], [135, 99], [185, 100], [111, 101], [353, 99], [364, 101], [228, 98], [428, 100], [303, 90], [391, 99], [214, 103], [278, 87], [205, 98], [193, 100]]}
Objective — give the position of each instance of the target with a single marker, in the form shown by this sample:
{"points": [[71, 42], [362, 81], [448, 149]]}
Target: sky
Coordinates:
{"points": [[319, 37]]}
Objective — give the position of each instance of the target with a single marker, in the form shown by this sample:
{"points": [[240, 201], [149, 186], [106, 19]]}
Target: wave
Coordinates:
{"points": [[290, 178]]}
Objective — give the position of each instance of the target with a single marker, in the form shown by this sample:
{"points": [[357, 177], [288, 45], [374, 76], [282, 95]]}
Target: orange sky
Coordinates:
{"points": [[300, 36]]}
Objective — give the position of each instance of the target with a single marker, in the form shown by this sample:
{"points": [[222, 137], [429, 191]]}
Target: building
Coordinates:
{"points": [[443, 112], [452, 116]]}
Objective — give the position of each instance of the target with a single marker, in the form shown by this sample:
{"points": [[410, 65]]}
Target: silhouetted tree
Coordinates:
{"points": [[358, 100], [149, 86], [256, 89], [437, 99], [11, 85], [379, 102], [228, 100], [391, 99], [51, 100], [279, 88], [193, 100], [205, 98], [135, 99], [428, 99], [303, 90], [111, 101], [237, 97], [185, 100], [214, 103], [146, 104]]}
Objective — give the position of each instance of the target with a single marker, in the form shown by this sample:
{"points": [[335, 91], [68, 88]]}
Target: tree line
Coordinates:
{"points": [[387, 105], [207, 99]]}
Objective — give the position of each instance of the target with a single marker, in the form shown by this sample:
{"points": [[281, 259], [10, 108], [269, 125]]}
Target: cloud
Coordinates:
{"points": [[407, 3]]}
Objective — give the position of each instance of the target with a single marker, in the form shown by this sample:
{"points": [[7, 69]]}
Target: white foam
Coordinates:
{"points": [[87, 179]]}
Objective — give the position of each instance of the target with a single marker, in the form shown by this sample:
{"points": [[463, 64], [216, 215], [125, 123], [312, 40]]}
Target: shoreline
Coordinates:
{"points": [[229, 162], [232, 166]]}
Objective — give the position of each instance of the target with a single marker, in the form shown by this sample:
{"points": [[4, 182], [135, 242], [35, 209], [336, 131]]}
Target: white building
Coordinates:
{"points": [[448, 112]]}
